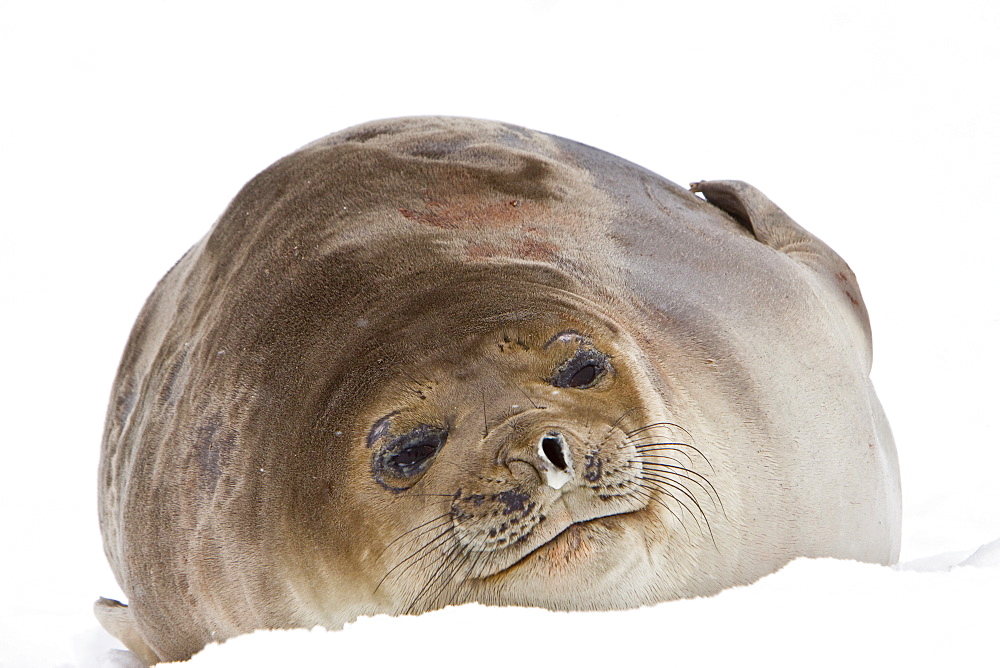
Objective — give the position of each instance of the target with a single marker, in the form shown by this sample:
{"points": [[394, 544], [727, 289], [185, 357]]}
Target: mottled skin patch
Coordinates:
{"points": [[524, 249], [213, 443], [472, 212], [594, 467], [534, 249], [513, 500]]}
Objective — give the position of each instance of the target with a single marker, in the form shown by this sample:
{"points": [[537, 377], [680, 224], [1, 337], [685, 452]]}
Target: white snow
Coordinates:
{"points": [[812, 613], [987, 556], [126, 128]]}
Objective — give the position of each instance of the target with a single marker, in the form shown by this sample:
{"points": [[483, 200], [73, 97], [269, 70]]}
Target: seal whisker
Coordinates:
{"points": [[676, 470], [651, 443], [427, 548], [478, 564], [484, 561], [652, 439], [530, 400], [662, 478], [406, 533], [655, 479], [445, 576], [639, 441], [646, 454], [664, 490], [650, 494], [623, 416], [644, 494], [444, 523], [654, 425], [686, 445], [636, 436], [443, 564], [441, 559], [652, 460], [611, 428], [486, 421]]}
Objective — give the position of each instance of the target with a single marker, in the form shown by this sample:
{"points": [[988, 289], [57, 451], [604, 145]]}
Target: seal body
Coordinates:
{"points": [[430, 361]]}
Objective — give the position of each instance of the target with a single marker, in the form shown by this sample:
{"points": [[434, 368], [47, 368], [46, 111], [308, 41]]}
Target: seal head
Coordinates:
{"points": [[429, 361]]}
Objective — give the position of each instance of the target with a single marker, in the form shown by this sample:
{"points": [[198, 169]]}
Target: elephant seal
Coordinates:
{"points": [[429, 361]]}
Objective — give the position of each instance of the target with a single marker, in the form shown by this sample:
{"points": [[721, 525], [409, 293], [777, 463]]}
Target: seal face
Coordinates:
{"points": [[556, 435], [431, 361]]}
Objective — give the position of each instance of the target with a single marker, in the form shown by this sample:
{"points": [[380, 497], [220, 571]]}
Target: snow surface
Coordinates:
{"points": [[812, 613], [126, 127]]}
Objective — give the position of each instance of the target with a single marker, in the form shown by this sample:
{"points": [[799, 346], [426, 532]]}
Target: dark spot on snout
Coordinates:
{"points": [[594, 469], [475, 499], [513, 500]]}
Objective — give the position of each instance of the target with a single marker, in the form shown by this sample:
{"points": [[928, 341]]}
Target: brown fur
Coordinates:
{"points": [[417, 272]]}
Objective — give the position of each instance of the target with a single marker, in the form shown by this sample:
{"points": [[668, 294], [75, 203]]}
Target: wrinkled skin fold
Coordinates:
{"points": [[428, 361]]}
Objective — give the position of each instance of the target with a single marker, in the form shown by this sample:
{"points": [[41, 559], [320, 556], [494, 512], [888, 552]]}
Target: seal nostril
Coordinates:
{"points": [[552, 446]]}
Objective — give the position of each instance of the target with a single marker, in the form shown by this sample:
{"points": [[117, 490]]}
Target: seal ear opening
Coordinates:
{"points": [[117, 620]]}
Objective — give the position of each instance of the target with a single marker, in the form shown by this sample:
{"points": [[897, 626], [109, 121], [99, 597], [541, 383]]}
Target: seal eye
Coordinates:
{"points": [[414, 455], [411, 453], [585, 376], [583, 370]]}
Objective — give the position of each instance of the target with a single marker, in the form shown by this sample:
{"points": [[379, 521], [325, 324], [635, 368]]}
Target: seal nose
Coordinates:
{"points": [[557, 460]]}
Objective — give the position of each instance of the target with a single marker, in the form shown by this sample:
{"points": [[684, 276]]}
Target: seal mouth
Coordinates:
{"points": [[556, 540]]}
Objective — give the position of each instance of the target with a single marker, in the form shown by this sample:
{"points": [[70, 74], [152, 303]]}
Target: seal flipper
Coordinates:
{"points": [[773, 227], [117, 620]]}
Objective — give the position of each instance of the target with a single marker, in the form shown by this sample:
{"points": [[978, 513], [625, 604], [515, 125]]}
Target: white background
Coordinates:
{"points": [[127, 127]]}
